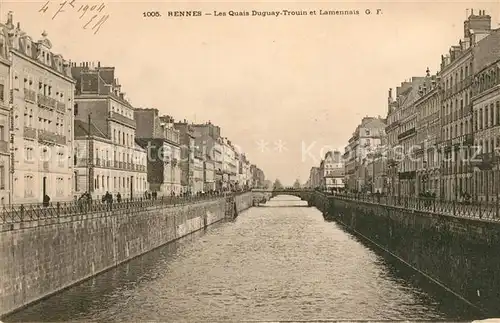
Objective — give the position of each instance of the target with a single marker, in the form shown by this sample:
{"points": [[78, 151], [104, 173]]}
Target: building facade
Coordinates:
{"points": [[6, 149], [157, 135], [102, 108], [486, 116], [314, 178], [369, 135], [428, 127], [42, 119], [334, 171], [407, 136], [187, 140]]}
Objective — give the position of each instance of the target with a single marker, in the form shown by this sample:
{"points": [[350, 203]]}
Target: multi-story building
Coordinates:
{"points": [[314, 178], [258, 177], [228, 164], [392, 132], [108, 175], [198, 172], [246, 176], [109, 159], [161, 140], [209, 174], [369, 134], [457, 71], [376, 170], [321, 168], [208, 137], [187, 140], [334, 171], [41, 127], [218, 164], [6, 150], [486, 107], [428, 128], [407, 134]]}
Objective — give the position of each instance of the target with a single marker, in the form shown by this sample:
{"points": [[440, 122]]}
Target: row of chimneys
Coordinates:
{"points": [[88, 64], [481, 12]]}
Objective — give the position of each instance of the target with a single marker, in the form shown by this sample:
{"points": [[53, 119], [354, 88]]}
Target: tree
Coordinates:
{"points": [[296, 184], [277, 185]]}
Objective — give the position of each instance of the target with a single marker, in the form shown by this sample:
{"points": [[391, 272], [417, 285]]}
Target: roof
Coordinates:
{"points": [[81, 130], [20, 39]]}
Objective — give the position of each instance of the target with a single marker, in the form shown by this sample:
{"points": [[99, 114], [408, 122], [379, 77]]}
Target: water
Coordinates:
{"points": [[272, 263]]}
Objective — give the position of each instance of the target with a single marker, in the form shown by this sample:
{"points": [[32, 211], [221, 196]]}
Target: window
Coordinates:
{"points": [[2, 177], [498, 112], [60, 159], [15, 84], [492, 111]]}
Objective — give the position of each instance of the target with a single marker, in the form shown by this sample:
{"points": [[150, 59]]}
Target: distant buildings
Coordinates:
{"points": [[333, 171], [314, 180], [367, 136]]}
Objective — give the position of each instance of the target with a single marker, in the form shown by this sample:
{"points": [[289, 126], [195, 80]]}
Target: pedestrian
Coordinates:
{"points": [[46, 200]]}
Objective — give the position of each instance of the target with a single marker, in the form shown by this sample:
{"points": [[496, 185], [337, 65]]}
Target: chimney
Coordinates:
{"points": [[98, 64], [10, 19]]}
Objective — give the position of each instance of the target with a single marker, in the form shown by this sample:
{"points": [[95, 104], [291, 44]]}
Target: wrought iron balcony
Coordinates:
{"points": [[122, 119], [61, 107], [29, 133], [29, 95], [46, 101], [51, 137], [4, 147], [407, 133]]}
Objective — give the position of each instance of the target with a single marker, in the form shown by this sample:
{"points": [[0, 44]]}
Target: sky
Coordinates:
{"points": [[285, 89]]}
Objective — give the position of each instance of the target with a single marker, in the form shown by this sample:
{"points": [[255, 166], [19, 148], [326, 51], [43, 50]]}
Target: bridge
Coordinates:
{"points": [[303, 194]]}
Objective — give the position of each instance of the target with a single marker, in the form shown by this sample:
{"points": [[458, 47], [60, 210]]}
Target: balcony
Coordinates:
{"points": [[121, 119], [50, 137], [61, 107], [407, 133], [4, 147], [98, 162], [29, 95], [45, 101], [29, 133]]}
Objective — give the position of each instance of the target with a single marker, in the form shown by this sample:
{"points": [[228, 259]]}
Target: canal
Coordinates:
{"points": [[278, 262]]}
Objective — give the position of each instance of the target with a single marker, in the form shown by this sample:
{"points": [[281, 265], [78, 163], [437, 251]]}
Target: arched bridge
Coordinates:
{"points": [[305, 195]]}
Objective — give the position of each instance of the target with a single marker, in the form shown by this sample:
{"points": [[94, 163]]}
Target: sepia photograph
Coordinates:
{"points": [[249, 161]]}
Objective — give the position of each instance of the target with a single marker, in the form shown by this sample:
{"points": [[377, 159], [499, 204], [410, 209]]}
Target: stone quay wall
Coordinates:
{"points": [[460, 254], [39, 258]]}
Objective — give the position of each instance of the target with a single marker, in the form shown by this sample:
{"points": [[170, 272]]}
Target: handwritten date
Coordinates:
{"points": [[94, 20]]}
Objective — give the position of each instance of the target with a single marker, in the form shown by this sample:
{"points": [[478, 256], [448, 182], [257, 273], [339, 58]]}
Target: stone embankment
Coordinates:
{"points": [[41, 257]]}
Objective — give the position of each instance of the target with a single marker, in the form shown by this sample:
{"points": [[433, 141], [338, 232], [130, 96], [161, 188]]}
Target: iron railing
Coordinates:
{"points": [[463, 209], [10, 214]]}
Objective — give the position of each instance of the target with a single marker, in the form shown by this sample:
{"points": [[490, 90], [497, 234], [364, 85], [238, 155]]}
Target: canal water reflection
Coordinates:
{"points": [[271, 263]]}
